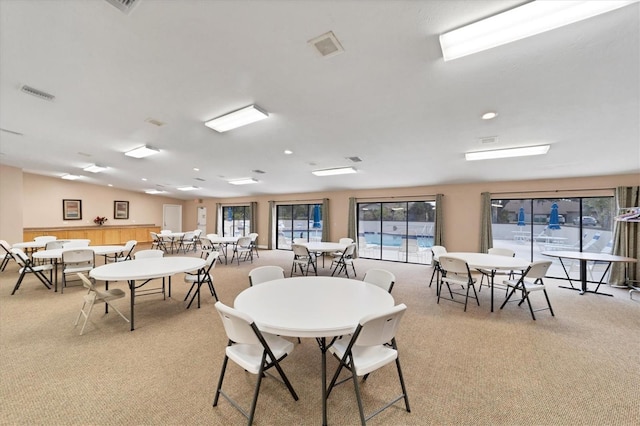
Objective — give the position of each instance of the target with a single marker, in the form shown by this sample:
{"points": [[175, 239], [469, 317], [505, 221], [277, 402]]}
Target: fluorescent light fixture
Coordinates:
{"points": [[94, 168], [507, 153], [187, 188], [337, 171], [142, 151], [70, 177], [527, 20], [243, 181], [489, 115], [154, 191], [239, 118]]}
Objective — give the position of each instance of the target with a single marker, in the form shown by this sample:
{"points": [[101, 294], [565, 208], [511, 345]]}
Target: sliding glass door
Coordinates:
{"points": [[302, 221]]}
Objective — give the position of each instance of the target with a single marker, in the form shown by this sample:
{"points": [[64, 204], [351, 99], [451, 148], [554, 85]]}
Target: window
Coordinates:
{"points": [[532, 226], [298, 221], [237, 221], [400, 231]]}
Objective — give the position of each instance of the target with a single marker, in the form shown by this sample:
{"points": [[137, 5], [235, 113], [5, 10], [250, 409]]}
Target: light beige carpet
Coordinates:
{"points": [[581, 367]]}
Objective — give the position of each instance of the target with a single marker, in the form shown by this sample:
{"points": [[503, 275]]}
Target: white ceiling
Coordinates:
{"points": [[389, 99]]}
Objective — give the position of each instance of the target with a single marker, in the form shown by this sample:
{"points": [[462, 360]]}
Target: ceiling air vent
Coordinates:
{"points": [[37, 93], [261, 172], [155, 122], [124, 6], [327, 45], [488, 139], [200, 179], [354, 159]]}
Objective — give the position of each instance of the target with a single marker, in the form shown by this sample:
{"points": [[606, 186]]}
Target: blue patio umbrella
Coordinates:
{"points": [[554, 221], [521, 217], [316, 217], [230, 215]]}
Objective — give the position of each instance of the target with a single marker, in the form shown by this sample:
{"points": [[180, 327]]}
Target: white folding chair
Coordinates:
{"points": [[243, 250], [5, 254], [302, 259], [380, 277], [486, 273], [27, 266], [252, 350], [342, 264], [265, 273], [76, 260], [97, 296], [372, 346], [436, 252], [196, 279], [456, 272], [536, 271], [254, 243]]}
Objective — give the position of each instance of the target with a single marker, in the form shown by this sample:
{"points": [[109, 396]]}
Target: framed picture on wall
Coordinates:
{"points": [[121, 210], [71, 209]]}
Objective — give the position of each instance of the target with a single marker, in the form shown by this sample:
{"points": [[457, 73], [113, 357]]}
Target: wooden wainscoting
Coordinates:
{"points": [[99, 235]]}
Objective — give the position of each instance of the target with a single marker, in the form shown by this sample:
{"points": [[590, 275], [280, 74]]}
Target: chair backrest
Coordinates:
{"points": [[537, 270], [5, 248], [197, 233], [502, 252], [300, 251], [20, 257], [237, 325], [76, 243], [165, 231], [299, 241], [79, 256], [44, 238], [454, 264], [263, 274], [380, 277], [189, 236], [128, 248], [244, 242], [88, 284], [146, 254], [211, 260], [380, 328], [55, 244], [349, 251], [253, 236], [206, 244], [437, 251], [345, 241], [154, 236]]}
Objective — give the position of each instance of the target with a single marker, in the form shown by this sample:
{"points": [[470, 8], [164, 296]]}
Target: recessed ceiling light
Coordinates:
{"points": [[144, 179], [524, 21], [109, 184], [288, 152], [489, 115], [187, 188], [142, 151], [336, 171], [235, 119], [154, 191], [94, 168], [507, 153], [195, 169], [243, 181], [70, 177]]}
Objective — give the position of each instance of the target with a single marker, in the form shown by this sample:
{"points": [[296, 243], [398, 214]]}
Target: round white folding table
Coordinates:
{"points": [[224, 242], [317, 307], [491, 262], [324, 247], [146, 269], [56, 256]]}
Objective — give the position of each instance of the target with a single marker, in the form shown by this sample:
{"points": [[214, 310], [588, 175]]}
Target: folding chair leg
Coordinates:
{"points": [[546, 296], [219, 387]]}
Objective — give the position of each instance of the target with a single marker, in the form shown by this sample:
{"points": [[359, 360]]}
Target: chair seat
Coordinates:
{"points": [[73, 269], [457, 280], [529, 286], [39, 268], [249, 356], [107, 295], [366, 358], [192, 278]]}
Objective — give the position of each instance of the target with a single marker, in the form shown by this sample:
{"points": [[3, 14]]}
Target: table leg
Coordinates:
{"points": [[55, 274], [583, 276], [583, 279], [493, 274], [106, 305], [322, 343], [132, 287]]}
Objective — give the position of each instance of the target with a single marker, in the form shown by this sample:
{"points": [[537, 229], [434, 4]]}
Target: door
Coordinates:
{"points": [[202, 220], [172, 217]]}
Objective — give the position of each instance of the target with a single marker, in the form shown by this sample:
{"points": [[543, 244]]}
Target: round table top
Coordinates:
{"points": [[29, 244], [219, 239], [142, 269], [312, 306], [324, 246], [601, 257], [490, 261], [57, 253]]}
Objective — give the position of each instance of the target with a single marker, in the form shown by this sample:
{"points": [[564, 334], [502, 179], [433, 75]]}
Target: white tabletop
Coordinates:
{"points": [[490, 261], [29, 244], [223, 240], [57, 253], [324, 246], [142, 269], [599, 257], [172, 235], [312, 306]]}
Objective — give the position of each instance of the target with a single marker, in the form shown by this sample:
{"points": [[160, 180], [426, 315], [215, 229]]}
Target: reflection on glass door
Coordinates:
{"points": [[298, 221]]}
